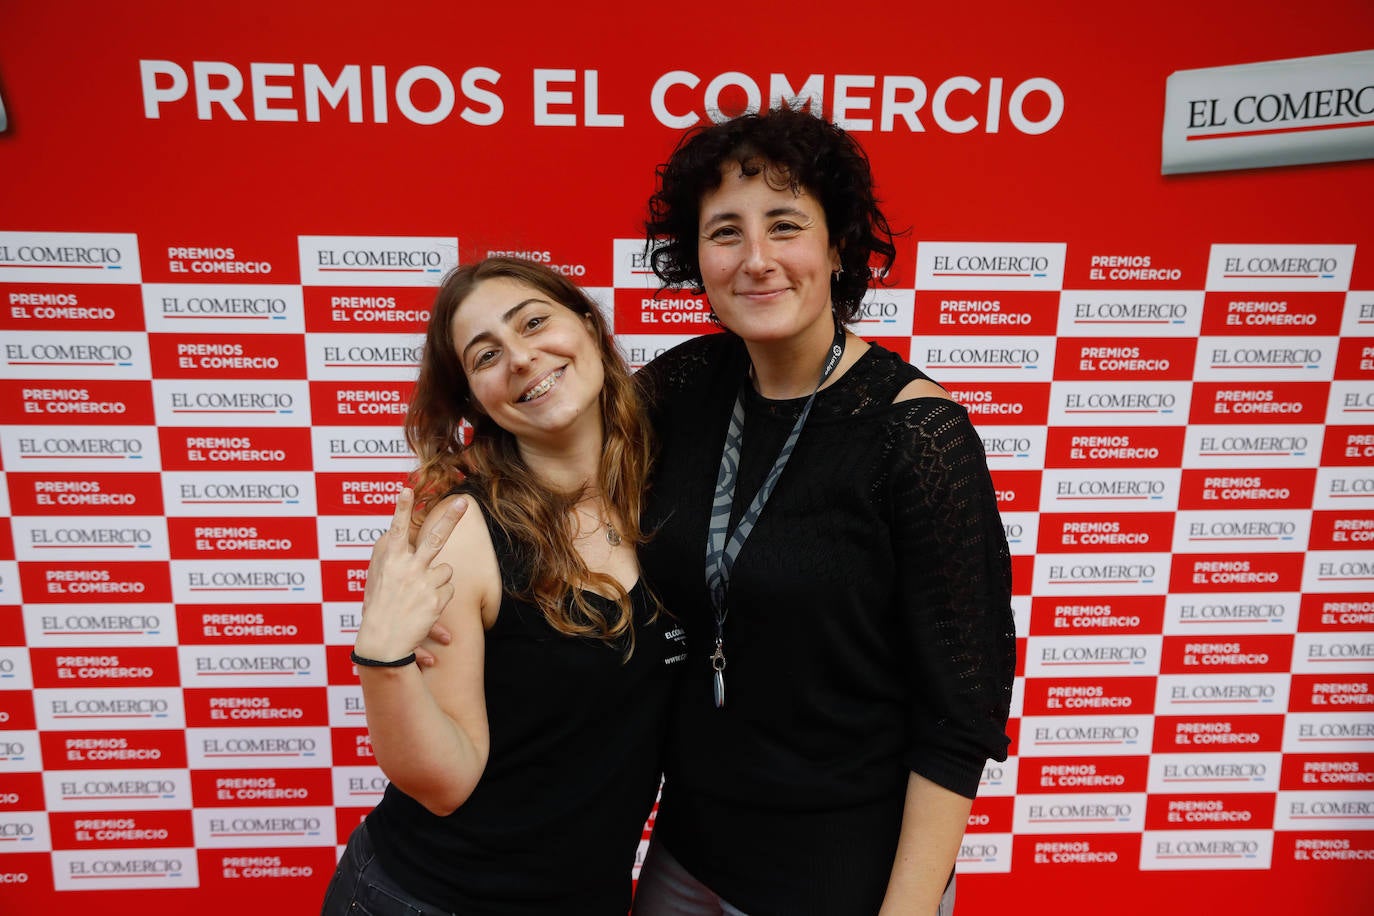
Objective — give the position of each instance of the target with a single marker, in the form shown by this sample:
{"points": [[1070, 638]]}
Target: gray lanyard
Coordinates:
{"points": [[722, 544]]}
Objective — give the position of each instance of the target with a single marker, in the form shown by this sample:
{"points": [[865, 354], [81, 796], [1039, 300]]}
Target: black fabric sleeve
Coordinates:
{"points": [[953, 595]]}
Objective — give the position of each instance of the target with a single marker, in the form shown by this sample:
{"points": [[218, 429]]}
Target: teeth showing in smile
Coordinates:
{"points": [[543, 387]]}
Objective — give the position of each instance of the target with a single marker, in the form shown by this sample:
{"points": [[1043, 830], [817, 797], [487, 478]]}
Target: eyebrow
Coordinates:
{"points": [[505, 319], [776, 211]]}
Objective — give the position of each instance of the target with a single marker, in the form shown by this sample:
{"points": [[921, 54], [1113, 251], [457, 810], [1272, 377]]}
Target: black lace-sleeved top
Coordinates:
{"points": [[869, 632]]}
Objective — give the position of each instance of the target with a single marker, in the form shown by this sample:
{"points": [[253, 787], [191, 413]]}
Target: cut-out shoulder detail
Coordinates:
{"points": [[921, 388]]}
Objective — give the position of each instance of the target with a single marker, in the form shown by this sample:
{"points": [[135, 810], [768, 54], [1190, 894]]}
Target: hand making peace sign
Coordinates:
{"points": [[406, 591]]}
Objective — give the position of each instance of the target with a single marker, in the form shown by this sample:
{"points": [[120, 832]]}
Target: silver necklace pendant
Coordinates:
{"points": [[718, 676], [612, 536]]}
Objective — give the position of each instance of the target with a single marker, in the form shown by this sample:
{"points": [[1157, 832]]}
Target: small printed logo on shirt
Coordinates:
{"points": [[677, 640]]}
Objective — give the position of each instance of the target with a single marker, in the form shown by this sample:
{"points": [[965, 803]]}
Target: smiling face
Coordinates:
{"points": [[766, 259], [533, 364]]}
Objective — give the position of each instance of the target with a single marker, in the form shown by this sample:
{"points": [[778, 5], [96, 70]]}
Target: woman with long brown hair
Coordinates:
{"points": [[523, 765]]}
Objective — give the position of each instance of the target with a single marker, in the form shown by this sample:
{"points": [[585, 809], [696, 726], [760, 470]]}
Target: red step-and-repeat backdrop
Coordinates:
{"points": [[1139, 249]]}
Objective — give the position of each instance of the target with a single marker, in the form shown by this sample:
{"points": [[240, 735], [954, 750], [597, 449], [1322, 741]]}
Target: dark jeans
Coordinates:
{"points": [[666, 888], [361, 888]]}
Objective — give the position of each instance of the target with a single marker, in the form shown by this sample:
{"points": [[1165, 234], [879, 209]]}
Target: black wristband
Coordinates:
{"points": [[373, 663]]}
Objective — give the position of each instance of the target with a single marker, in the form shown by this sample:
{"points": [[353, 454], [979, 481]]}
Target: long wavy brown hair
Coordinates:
{"points": [[539, 520]]}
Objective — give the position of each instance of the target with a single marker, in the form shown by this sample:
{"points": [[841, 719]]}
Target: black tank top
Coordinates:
{"points": [[576, 733]]}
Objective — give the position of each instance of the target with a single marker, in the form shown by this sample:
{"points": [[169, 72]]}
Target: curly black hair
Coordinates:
{"points": [[795, 148]]}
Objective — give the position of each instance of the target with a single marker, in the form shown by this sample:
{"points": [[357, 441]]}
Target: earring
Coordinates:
{"points": [[839, 272]]}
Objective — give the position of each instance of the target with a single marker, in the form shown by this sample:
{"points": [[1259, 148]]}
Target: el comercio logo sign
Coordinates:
{"points": [[1282, 112]]}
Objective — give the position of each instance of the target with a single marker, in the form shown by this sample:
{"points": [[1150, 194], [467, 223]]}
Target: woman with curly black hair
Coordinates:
{"points": [[823, 523]]}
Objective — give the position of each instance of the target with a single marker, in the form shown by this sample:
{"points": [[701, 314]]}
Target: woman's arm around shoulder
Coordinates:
{"points": [[685, 367], [429, 730]]}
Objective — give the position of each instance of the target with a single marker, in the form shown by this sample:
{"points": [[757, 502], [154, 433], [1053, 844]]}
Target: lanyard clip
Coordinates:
{"points": [[718, 679]]}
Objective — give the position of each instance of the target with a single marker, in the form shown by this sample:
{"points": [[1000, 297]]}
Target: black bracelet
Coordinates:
{"points": [[373, 663]]}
